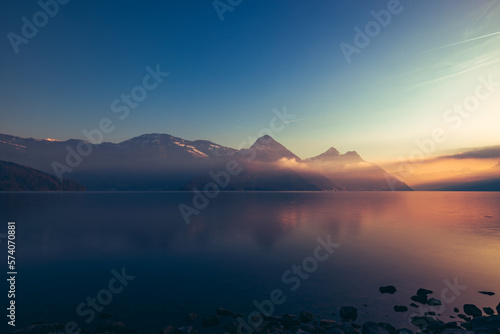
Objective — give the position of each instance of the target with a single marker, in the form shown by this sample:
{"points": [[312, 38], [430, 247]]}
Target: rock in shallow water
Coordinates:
{"points": [[374, 328], [306, 317], [390, 328], [485, 323], [427, 323], [422, 299], [488, 310], [488, 293], [424, 292], [400, 308], [464, 317], [434, 302], [472, 310], [348, 313], [388, 289]]}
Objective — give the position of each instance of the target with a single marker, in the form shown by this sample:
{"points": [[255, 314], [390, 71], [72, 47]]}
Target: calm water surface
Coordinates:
{"points": [[237, 250]]}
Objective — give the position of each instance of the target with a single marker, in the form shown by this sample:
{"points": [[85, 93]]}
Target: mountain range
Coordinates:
{"points": [[164, 162]]}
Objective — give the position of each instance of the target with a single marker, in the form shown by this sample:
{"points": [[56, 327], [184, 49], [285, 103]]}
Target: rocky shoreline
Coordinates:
{"points": [[471, 320]]}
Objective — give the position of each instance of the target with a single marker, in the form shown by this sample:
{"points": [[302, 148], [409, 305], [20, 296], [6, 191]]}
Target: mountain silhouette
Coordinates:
{"points": [[164, 162], [14, 177]]}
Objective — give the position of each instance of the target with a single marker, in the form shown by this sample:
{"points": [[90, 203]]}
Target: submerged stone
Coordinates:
{"points": [[348, 313], [400, 308], [424, 292], [434, 302], [422, 299], [388, 289], [306, 317]]}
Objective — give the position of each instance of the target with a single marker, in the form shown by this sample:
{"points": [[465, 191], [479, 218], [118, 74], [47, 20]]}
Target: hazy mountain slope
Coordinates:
{"points": [[15, 177], [350, 171]]}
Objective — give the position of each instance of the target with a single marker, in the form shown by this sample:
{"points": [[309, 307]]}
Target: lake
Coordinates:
{"points": [[245, 245]]}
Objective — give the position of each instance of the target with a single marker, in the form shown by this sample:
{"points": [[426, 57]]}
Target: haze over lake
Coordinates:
{"points": [[237, 250]]}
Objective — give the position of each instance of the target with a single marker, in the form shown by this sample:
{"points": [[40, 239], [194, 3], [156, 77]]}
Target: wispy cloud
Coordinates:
{"points": [[484, 18], [468, 59], [462, 42], [492, 152]]}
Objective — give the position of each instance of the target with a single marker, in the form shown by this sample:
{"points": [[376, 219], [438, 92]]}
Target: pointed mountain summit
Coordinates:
{"points": [[332, 151], [332, 155], [269, 150]]}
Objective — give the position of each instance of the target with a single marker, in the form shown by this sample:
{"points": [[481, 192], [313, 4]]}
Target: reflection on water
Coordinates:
{"points": [[237, 249]]}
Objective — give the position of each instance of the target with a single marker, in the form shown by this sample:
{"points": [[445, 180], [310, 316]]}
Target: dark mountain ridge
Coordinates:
{"points": [[164, 162]]}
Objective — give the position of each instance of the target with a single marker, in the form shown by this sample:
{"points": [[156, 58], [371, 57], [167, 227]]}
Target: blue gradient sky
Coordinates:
{"points": [[227, 76]]}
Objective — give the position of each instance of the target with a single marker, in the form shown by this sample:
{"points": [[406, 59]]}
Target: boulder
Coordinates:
{"points": [[484, 323], [388, 289], [464, 317], [488, 293], [390, 328], [373, 328], [306, 317], [452, 324], [427, 323], [400, 308], [348, 313], [422, 299], [488, 310], [434, 302], [472, 310], [424, 292]]}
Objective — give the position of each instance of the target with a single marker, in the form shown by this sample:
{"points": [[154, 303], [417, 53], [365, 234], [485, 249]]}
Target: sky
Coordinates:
{"points": [[232, 68]]}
